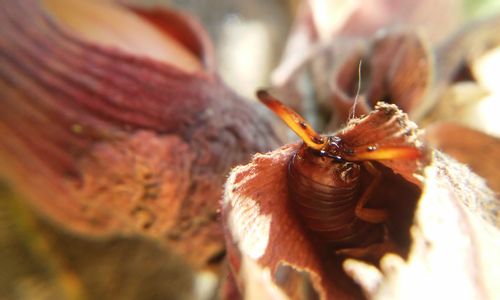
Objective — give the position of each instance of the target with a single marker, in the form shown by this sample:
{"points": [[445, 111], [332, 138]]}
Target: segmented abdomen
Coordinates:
{"points": [[328, 210]]}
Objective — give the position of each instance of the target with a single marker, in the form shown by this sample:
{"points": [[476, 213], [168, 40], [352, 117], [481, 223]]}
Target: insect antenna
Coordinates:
{"points": [[352, 113], [300, 126]]}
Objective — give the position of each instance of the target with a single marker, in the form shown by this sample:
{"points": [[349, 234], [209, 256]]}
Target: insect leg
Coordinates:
{"points": [[372, 215]]}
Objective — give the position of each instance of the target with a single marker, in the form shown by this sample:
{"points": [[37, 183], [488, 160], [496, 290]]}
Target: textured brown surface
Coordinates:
{"points": [[445, 233], [101, 141], [41, 260], [455, 244], [264, 232], [481, 152]]}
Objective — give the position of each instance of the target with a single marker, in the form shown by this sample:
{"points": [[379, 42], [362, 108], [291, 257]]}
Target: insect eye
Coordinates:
{"points": [[335, 158], [334, 141]]}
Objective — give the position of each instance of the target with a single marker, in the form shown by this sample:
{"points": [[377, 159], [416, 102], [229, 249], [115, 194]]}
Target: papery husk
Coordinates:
{"points": [[265, 238], [479, 151], [456, 242], [268, 246], [395, 66], [263, 234], [103, 143]]}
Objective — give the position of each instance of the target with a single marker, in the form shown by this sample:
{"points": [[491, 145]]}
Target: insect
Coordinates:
{"points": [[325, 182]]}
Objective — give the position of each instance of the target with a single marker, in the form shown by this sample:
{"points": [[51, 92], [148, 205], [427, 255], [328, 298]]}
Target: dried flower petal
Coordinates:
{"points": [[101, 141], [263, 233], [477, 150], [387, 126], [263, 229], [112, 25], [454, 252]]}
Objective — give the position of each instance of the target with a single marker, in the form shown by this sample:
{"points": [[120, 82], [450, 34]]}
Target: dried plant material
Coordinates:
{"points": [[329, 22], [265, 229], [455, 246], [112, 25], [406, 60], [263, 232], [401, 64], [373, 15], [318, 77], [184, 29], [387, 127], [471, 147], [397, 68], [102, 141], [473, 99], [123, 179], [43, 261], [247, 36]]}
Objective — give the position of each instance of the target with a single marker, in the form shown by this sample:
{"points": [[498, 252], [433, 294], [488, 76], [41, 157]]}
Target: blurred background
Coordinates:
{"points": [[250, 37], [285, 44]]}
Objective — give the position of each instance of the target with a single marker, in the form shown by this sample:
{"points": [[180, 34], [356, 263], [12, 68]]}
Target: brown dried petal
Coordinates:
{"points": [[263, 231], [401, 66], [115, 26], [387, 126], [264, 235], [397, 69], [184, 29], [474, 148], [455, 244], [102, 141]]}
